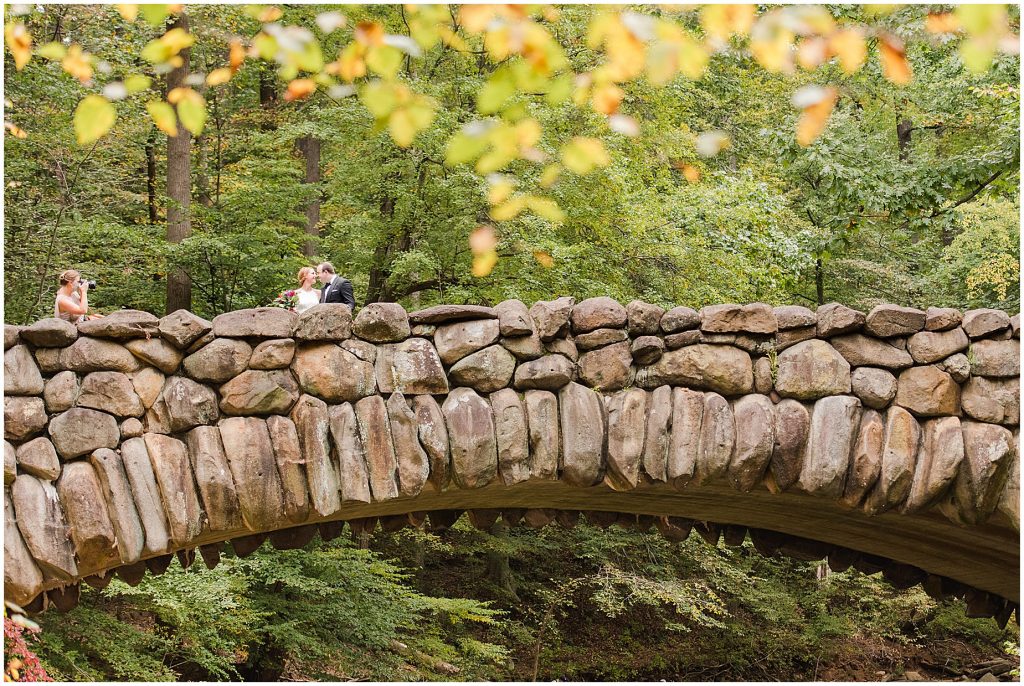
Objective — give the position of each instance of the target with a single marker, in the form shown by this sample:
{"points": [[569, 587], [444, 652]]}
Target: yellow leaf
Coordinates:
{"points": [[77, 63], [544, 259], [19, 42], [977, 53], [351, 65], [849, 45], [270, 14], [582, 155], [16, 131], [177, 39], [771, 43], [236, 55], [606, 98], [299, 89], [811, 52], [475, 18], [52, 51], [982, 19], [484, 264], [176, 95], [128, 12], [218, 76], [136, 83], [508, 209], [379, 98], [384, 60], [527, 133], [722, 21], [547, 208], [163, 116], [402, 127], [815, 114], [550, 175], [192, 111], [499, 190], [894, 60], [944, 22], [690, 173], [154, 14], [94, 117]]}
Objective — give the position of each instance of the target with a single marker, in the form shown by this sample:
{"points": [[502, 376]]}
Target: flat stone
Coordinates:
{"points": [[563, 346], [545, 436], [627, 420], [186, 404], [213, 476], [441, 314], [433, 435], [942, 318], [423, 330], [938, 461], [218, 361], [284, 437], [512, 436], [886, 321], [148, 383], [88, 521], [583, 429], [794, 317], [456, 341], [487, 370], [121, 325], [835, 319], [139, 470], [931, 346], [131, 428], [12, 336], [834, 425], [348, 450], [928, 392], [48, 360], [866, 459], [763, 382], [992, 400], [183, 328], [312, 426], [124, 517], [110, 392], [985, 321], [729, 318], [643, 319], [988, 454], [277, 353], [875, 387], [379, 447], [80, 431], [95, 355], [862, 351], [647, 349], [411, 367], [382, 323], [39, 458], [720, 368], [169, 458], [332, 373], [10, 464], [259, 392], [957, 366], [524, 347], [811, 370], [996, 358], [680, 318], [899, 457], [22, 577], [156, 352], [551, 317], [599, 337], [200, 342], [21, 375], [755, 345], [413, 463], [361, 349], [717, 439], [259, 322], [792, 426], [608, 368], [514, 318], [250, 456], [40, 520], [471, 431], [674, 341], [790, 337], [673, 457], [24, 417], [598, 313], [755, 435], [50, 333], [327, 322]]}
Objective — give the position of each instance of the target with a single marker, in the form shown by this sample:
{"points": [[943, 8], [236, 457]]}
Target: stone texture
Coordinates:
{"points": [[183, 328], [250, 456], [130, 428], [382, 323], [219, 361], [348, 454], [643, 319], [942, 318], [524, 347], [717, 438], [811, 370], [12, 335], [996, 358], [413, 463], [1009, 503], [169, 459], [41, 522], [433, 435], [563, 346], [983, 322], [284, 438], [88, 521], [674, 457], [938, 461], [597, 313], [680, 318], [23, 417], [866, 459], [514, 318], [39, 458], [835, 319], [542, 420], [456, 341], [474, 447], [121, 325], [185, 403], [441, 314], [361, 349], [728, 318], [411, 367], [582, 420], [790, 337], [647, 349], [957, 366], [899, 457], [607, 368], [931, 346], [148, 384], [862, 351], [61, 391], [50, 333], [259, 392], [21, 375], [10, 464], [792, 426], [110, 392], [988, 454], [156, 352], [763, 382], [599, 338], [1015, 325], [213, 476], [48, 360], [487, 370], [312, 426], [95, 354], [79, 431], [260, 322], [139, 470], [875, 387], [720, 368], [512, 436], [200, 342], [627, 418], [551, 317], [833, 430], [886, 321], [992, 400], [379, 447], [928, 392], [331, 373], [22, 577], [755, 344], [755, 435], [124, 517], [273, 354], [794, 317]]}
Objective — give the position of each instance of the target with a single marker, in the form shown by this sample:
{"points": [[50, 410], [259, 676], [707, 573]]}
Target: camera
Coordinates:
{"points": [[87, 282]]}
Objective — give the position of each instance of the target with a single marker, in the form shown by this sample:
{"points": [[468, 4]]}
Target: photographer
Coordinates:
{"points": [[72, 301]]}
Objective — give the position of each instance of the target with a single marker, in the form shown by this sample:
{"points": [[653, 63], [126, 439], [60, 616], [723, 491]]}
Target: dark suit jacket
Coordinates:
{"points": [[338, 291]]}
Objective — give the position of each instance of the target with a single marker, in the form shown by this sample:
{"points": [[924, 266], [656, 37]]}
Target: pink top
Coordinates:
{"points": [[68, 316]]}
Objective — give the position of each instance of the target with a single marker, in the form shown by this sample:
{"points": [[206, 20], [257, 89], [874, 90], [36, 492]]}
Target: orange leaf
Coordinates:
{"points": [[370, 33], [811, 52], [894, 60], [945, 22], [606, 99], [820, 103], [544, 258], [236, 55], [270, 14], [351, 64], [299, 89], [849, 46], [19, 42], [691, 173]]}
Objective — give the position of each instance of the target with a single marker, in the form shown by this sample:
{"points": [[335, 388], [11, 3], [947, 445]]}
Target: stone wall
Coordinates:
{"points": [[129, 438]]}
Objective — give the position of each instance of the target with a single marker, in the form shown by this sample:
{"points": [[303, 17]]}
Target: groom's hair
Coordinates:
{"points": [[327, 267]]}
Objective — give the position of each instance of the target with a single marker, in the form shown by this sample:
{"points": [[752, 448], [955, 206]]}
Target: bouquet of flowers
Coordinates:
{"points": [[286, 300]]}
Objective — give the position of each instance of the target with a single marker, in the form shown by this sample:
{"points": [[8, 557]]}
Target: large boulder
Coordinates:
{"points": [[551, 317], [597, 313], [325, 322], [276, 353], [312, 426], [332, 373], [984, 322], [39, 458], [717, 439], [260, 322], [183, 328], [95, 355], [674, 457], [790, 337], [753, 318], [440, 314], [433, 435], [250, 456], [812, 370], [942, 318], [21, 375], [563, 346], [599, 338], [213, 476], [928, 392], [514, 318], [24, 416], [755, 436], [863, 351], [411, 367], [866, 459], [720, 368], [10, 464], [988, 456], [110, 392], [471, 431], [457, 340], [996, 358], [50, 333], [680, 318], [792, 426], [22, 576], [382, 323], [957, 366], [79, 431], [886, 321], [157, 352], [139, 470], [899, 456], [512, 436], [61, 391], [545, 436], [835, 319], [88, 520], [607, 368], [938, 461], [218, 361], [349, 453], [794, 317], [582, 417], [291, 467], [627, 419], [184, 404], [931, 346], [643, 319], [413, 463], [875, 387], [833, 430], [41, 522], [148, 383], [122, 325], [259, 392], [487, 370], [169, 458], [647, 349], [124, 517], [378, 446], [524, 347], [992, 400], [12, 335]]}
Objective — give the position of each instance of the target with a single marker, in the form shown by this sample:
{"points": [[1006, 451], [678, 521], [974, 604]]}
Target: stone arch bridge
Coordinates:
{"points": [[887, 441]]}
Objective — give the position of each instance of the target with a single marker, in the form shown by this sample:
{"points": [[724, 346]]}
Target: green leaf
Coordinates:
{"points": [[384, 60], [495, 92], [94, 117], [154, 14], [137, 83], [463, 148], [52, 51], [192, 112]]}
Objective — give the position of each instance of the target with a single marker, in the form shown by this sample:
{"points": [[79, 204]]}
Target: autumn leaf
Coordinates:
{"points": [[627, 126], [811, 52], [369, 33], [894, 60], [849, 45], [299, 89], [547, 208], [93, 118], [52, 51], [19, 42], [722, 21], [191, 109], [710, 143], [128, 12], [236, 55], [15, 130], [482, 243], [270, 14], [77, 63], [544, 259], [163, 116], [582, 155], [943, 22], [606, 99], [351, 64], [218, 77], [500, 187], [816, 104], [136, 83]]}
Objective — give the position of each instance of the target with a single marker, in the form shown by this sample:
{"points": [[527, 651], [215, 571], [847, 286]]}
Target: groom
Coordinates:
{"points": [[337, 289]]}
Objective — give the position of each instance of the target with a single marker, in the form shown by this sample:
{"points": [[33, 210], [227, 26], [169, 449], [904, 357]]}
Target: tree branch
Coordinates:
{"points": [[970, 196]]}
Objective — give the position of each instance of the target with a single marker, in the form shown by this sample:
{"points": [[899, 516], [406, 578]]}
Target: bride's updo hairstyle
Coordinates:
{"points": [[304, 273]]}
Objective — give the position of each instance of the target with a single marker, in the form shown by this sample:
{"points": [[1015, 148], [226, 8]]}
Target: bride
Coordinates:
{"points": [[307, 295]]}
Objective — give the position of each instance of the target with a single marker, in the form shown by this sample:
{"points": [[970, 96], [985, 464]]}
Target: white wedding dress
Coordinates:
{"points": [[307, 299]]}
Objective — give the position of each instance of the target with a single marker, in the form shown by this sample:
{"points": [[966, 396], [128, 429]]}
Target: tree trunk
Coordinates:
{"points": [[154, 216], [378, 290], [179, 187], [203, 172], [309, 146], [904, 132], [268, 89], [819, 281], [498, 570]]}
